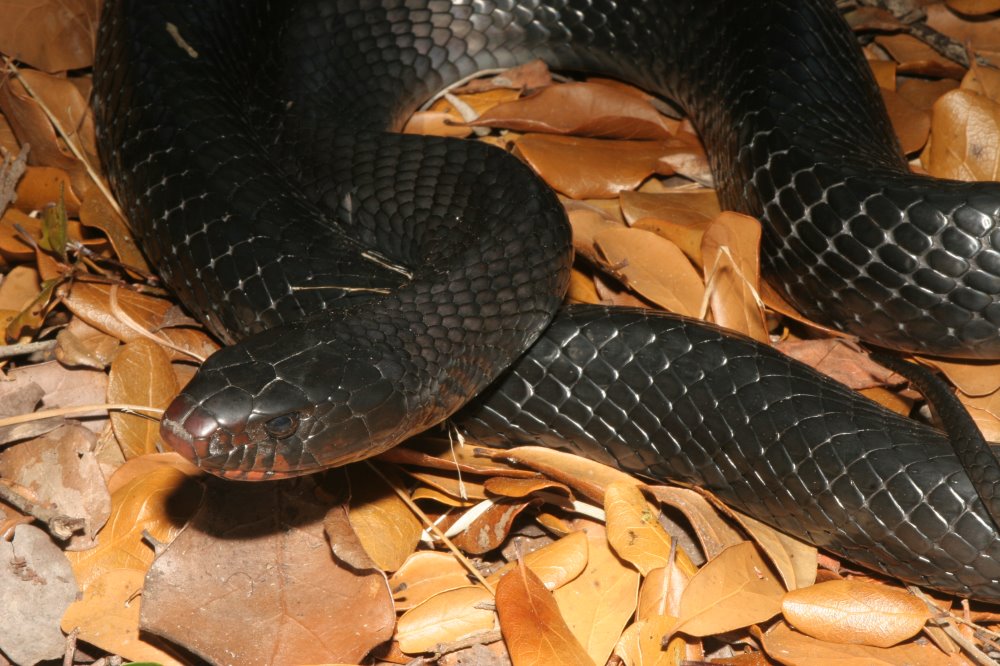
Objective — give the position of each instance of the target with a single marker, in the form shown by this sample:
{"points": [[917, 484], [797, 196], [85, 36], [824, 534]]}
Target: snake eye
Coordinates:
{"points": [[282, 426]]}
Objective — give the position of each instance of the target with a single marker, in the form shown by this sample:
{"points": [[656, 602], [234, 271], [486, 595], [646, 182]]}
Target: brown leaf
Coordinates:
{"points": [[974, 7], [794, 560], [31, 125], [922, 93], [642, 643], [490, 528], [424, 574], [730, 249], [534, 74], [580, 168], [555, 564], [19, 288], [713, 532], [447, 617], [885, 73], [587, 477], [848, 611], [985, 411], [59, 469], [257, 552], [654, 267], [80, 344], [915, 57], [979, 33], [588, 221], [840, 359], [96, 212], [582, 109], [634, 530], [66, 387], [734, 590], [971, 377], [385, 525], [532, 627], [963, 127], [912, 124], [53, 38], [155, 502], [36, 586], [41, 186], [598, 603], [791, 647], [141, 374], [68, 106], [984, 81]]}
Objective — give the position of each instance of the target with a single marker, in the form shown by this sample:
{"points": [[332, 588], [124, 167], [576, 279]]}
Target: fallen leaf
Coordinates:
{"points": [[848, 611], [783, 644], [635, 533], [598, 603], [581, 109], [916, 57], [141, 374], [36, 587], [535, 632], [734, 590], [730, 248], [424, 574], [60, 470], [963, 127], [257, 552], [555, 564], [447, 617], [654, 267], [580, 168], [385, 525]]}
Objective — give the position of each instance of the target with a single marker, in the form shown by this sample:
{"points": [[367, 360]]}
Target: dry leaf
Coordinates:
{"points": [[141, 374], [730, 248], [582, 109], [447, 617], [790, 647], [964, 126], [580, 168], [795, 561], [598, 603], [385, 525], [532, 627], [734, 590], [51, 37], [36, 587], [654, 267], [257, 552], [848, 611], [424, 574], [555, 564], [634, 530]]}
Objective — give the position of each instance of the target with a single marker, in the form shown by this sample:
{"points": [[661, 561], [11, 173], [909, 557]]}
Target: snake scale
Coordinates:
{"points": [[371, 282]]}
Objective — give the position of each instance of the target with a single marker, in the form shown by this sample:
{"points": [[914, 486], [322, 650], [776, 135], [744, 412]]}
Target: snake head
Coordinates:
{"points": [[255, 412]]}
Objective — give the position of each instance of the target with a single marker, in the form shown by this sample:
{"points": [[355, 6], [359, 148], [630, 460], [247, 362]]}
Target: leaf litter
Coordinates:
{"points": [[573, 564]]}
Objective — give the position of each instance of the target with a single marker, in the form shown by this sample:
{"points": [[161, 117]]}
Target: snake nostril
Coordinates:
{"points": [[282, 426]]}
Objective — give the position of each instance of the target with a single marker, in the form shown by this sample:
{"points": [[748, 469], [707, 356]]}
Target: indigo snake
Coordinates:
{"points": [[371, 282]]}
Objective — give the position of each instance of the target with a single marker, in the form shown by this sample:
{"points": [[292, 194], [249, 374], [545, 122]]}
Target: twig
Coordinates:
{"points": [[9, 351], [151, 412], [60, 525], [915, 20], [11, 170], [946, 622]]}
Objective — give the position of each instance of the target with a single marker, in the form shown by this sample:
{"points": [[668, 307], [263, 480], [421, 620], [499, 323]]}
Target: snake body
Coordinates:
{"points": [[372, 282]]}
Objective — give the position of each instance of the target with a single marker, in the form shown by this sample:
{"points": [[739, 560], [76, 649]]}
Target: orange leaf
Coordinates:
{"points": [[535, 632], [848, 611], [734, 590]]}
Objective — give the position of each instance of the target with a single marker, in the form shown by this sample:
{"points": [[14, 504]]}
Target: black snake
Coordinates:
{"points": [[375, 281]]}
